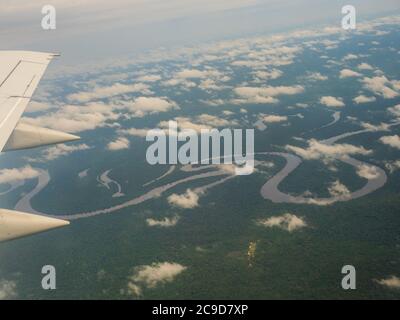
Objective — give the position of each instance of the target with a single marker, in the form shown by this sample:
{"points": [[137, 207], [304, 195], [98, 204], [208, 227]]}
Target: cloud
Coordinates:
{"points": [[272, 118], [70, 118], [364, 66], [287, 221], [316, 76], [382, 86], [395, 110], [350, 56], [150, 105], [188, 200], [35, 106], [61, 150], [163, 223], [116, 89], [119, 144], [337, 189], [318, 150], [151, 276], [264, 94], [149, 78], [368, 172], [347, 73], [134, 132], [268, 75], [393, 141], [7, 289], [372, 127], [363, 99], [330, 101], [13, 175], [392, 282]]}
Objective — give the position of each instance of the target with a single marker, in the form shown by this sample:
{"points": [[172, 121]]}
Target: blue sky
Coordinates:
{"points": [[96, 29]]}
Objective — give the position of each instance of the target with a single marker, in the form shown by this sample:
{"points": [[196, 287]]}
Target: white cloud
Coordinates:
{"points": [[287, 221], [150, 276], [347, 73], [119, 144], [367, 172], [60, 150], [7, 289], [74, 119], [150, 105], [350, 57], [318, 150], [164, 223], [363, 99], [188, 200], [268, 75], [337, 189], [272, 118], [382, 86], [316, 76], [364, 66], [108, 91], [149, 78], [330, 101], [134, 132], [264, 94], [395, 110], [393, 141], [392, 282], [13, 175], [35, 106], [372, 127]]}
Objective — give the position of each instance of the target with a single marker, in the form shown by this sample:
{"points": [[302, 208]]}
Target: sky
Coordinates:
{"points": [[89, 30]]}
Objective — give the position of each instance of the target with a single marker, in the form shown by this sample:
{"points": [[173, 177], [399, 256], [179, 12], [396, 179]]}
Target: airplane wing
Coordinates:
{"points": [[20, 73]]}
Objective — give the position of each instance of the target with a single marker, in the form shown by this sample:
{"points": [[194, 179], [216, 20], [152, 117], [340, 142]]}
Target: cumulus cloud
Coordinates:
{"points": [[363, 99], [393, 141], [151, 276], [60, 150], [330, 101], [118, 144], [150, 105], [268, 75], [272, 118], [262, 95], [287, 221], [367, 172], [364, 66], [392, 282], [395, 110], [337, 189], [163, 223], [35, 106], [318, 150], [134, 132], [74, 119], [373, 127], [7, 289], [149, 78], [347, 73], [350, 56], [382, 86], [316, 76], [20, 174], [187, 200], [116, 89]]}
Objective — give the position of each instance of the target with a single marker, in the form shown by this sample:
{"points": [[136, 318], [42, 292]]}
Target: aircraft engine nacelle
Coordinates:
{"points": [[27, 136]]}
